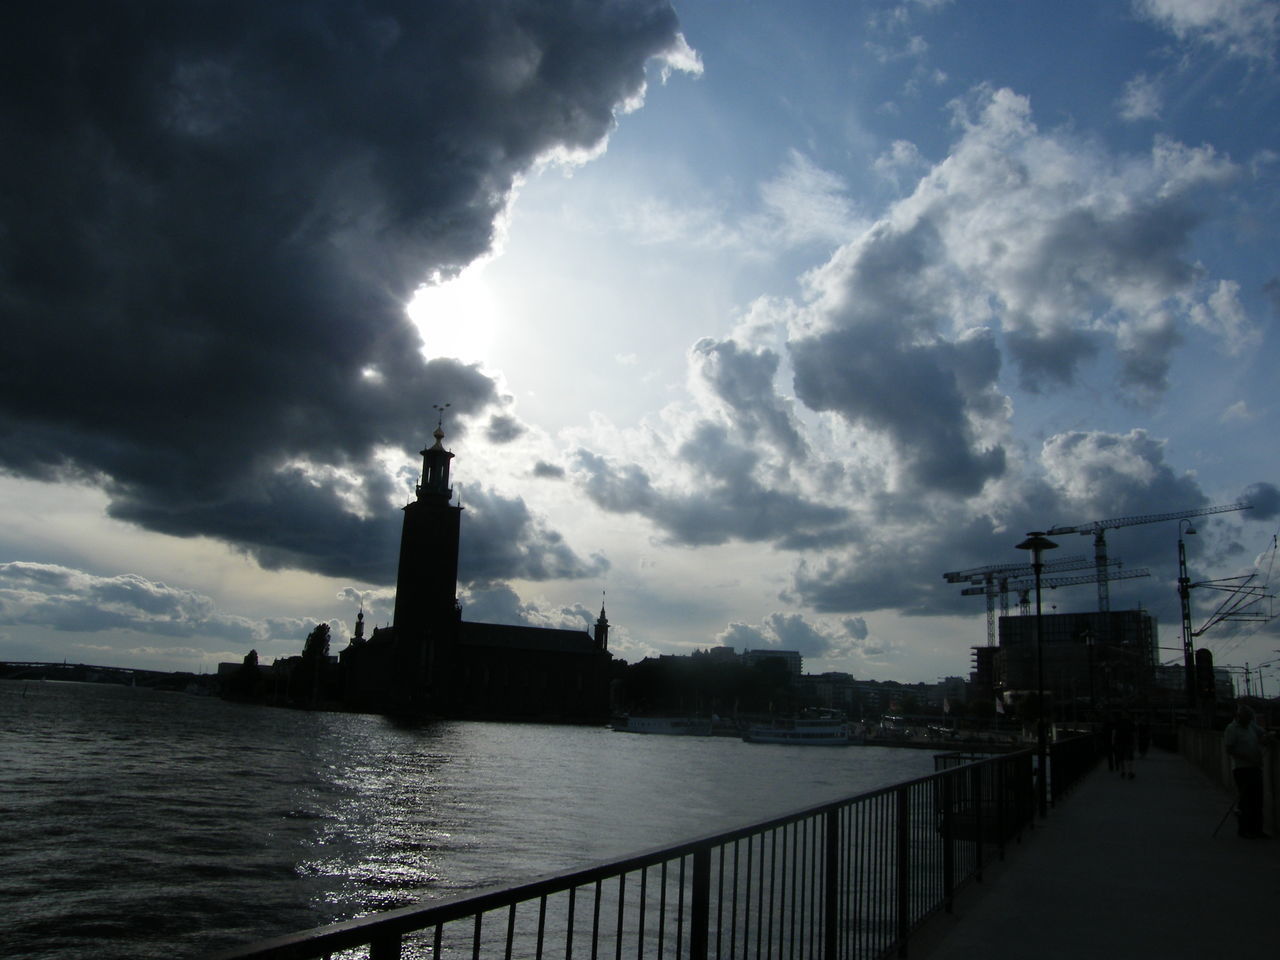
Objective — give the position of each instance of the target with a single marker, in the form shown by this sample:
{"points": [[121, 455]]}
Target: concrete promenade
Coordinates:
{"points": [[1122, 869]]}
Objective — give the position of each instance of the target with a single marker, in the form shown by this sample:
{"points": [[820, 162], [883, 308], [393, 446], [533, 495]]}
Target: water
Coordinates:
{"points": [[140, 823]]}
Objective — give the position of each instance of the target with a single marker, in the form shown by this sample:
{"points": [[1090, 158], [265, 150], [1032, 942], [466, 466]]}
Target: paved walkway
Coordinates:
{"points": [[1123, 869]]}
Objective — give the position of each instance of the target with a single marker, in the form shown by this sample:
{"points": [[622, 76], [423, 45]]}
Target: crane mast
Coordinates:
{"points": [[1099, 530]]}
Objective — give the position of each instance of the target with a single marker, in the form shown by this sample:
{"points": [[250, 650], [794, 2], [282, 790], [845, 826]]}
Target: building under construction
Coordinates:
{"points": [[1089, 658]]}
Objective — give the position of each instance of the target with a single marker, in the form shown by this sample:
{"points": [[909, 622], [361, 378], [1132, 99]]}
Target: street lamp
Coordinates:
{"points": [[1037, 543], [1184, 597], [1087, 636]]}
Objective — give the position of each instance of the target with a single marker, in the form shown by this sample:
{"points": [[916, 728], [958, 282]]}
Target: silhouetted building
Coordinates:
{"points": [[430, 662], [794, 662], [1088, 657], [982, 679]]}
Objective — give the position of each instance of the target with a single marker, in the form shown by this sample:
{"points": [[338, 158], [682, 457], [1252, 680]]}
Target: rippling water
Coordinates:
{"points": [[138, 823]]}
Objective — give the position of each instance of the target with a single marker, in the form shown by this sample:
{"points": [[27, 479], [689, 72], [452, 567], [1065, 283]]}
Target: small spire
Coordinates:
{"points": [[601, 632], [435, 462]]}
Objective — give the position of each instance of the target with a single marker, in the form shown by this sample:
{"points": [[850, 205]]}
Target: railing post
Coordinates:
{"points": [[903, 836], [948, 840], [700, 904], [979, 821], [1057, 765], [385, 948], [831, 885], [1001, 812]]}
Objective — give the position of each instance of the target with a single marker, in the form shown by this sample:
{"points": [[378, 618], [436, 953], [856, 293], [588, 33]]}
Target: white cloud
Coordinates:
{"points": [[1097, 473], [1240, 28], [902, 158], [1141, 100], [681, 58], [51, 596], [808, 204], [1238, 412], [1222, 314], [812, 639]]}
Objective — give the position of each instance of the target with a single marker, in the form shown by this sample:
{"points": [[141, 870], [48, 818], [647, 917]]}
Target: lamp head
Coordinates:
{"points": [[1037, 542]]}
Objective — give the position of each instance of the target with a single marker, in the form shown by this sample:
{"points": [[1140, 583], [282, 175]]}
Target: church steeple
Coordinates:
{"points": [[426, 611], [602, 629], [435, 469]]}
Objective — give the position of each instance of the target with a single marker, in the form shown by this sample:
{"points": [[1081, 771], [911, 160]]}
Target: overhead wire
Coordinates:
{"points": [[1237, 637]]}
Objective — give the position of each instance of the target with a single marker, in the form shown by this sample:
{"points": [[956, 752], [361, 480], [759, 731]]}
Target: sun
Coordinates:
{"points": [[457, 318]]}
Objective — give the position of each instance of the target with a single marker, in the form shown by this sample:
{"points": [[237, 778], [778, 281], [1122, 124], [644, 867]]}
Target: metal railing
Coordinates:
{"points": [[844, 880], [1070, 758]]}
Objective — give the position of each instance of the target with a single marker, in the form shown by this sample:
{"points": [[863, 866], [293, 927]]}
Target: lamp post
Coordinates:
{"points": [[1087, 636], [1184, 598], [1037, 543]]}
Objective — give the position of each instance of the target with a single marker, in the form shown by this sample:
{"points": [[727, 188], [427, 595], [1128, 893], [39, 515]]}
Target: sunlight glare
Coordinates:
{"points": [[457, 318]]}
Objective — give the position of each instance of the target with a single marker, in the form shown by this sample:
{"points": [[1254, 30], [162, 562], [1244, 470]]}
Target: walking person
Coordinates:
{"points": [[1242, 739], [1109, 740], [1124, 734]]}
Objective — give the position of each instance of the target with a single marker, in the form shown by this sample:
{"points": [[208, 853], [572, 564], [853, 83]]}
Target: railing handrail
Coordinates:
{"points": [[398, 921]]}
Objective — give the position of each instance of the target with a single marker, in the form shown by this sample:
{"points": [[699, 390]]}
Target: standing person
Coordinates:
{"points": [[1109, 740], [1242, 739], [1124, 746]]}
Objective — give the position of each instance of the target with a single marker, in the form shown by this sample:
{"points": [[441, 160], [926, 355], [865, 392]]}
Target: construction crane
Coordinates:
{"points": [[974, 574], [1023, 588], [1002, 583], [1099, 530], [994, 575]]}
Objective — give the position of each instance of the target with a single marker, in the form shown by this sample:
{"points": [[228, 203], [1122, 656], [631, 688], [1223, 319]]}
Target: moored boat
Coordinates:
{"points": [[802, 731], [664, 726]]}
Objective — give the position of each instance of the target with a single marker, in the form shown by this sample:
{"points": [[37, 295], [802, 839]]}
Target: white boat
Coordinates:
{"points": [[667, 726], [810, 732]]}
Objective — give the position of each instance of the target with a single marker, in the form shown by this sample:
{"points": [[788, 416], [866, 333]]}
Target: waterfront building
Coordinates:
{"points": [[1088, 657], [431, 662], [791, 658]]}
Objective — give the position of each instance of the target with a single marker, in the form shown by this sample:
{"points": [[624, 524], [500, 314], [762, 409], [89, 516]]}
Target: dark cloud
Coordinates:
{"points": [[1272, 289], [501, 538], [743, 380], [1265, 499], [922, 394], [498, 603], [1080, 262], [855, 627], [548, 471], [1088, 476], [503, 428], [734, 496], [794, 632], [214, 215], [1048, 357]]}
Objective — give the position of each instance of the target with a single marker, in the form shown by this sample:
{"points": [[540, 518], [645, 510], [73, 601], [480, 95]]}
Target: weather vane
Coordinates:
{"points": [[440, 407]]}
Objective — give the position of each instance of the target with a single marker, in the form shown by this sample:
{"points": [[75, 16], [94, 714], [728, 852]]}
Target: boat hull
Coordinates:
{"points": [[802, 733]]}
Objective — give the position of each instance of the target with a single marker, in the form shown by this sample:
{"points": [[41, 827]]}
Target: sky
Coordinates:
{"points": [[752, 318]]}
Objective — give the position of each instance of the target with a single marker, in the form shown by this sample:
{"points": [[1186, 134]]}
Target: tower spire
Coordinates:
{"points": [[435, 464], [602, 627]]}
